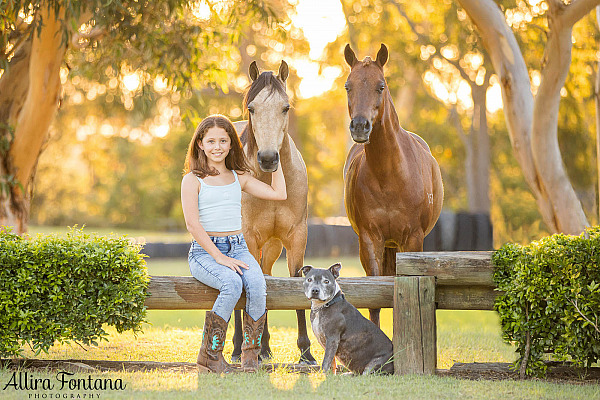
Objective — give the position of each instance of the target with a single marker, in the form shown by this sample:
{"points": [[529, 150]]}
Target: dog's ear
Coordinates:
{"points": [[335, 270], [306, 269]]}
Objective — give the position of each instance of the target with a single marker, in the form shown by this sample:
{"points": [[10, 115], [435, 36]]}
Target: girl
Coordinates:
{"points": [[216, 172]]}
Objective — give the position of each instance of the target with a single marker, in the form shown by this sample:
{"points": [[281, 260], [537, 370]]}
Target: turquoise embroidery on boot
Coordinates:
{"points": [[215, 343], [259, 338], [246, 338]]}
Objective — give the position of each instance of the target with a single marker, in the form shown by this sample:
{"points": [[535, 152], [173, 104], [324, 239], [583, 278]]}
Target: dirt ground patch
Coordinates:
{"points": [[557, 372]]}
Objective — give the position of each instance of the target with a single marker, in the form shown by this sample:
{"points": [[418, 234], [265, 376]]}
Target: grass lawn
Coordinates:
{"points": [[140, 235], [463, 336]]}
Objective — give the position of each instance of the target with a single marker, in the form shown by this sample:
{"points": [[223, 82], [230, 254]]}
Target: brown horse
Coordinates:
{"points": [[269, 226], [393, 186]]}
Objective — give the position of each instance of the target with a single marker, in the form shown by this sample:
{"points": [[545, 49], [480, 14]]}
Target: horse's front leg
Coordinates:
{"points": [[253, 247], [271, 251], [295, 259], [371, 248]]}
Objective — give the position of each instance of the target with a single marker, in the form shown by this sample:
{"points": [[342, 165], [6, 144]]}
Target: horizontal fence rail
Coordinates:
{"points": [[186, 293], [455, 268], [463, 278], [464, 282]]}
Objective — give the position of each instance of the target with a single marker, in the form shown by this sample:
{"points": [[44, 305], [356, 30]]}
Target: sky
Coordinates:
{"points": [[322, 21]]}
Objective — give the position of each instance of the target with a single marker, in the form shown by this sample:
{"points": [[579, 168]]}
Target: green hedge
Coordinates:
{"points": [[67, 288], [552, 294]]}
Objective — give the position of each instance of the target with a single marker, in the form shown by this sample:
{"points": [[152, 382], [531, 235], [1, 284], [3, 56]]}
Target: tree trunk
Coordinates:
{"points": [[554, 183], [533, 128], [477, 151], [407, 93], [597, 93], [481, 150], [30, 90], [467, 141]]}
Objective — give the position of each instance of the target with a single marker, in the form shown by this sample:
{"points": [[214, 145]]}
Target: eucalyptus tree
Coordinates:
{"points": [[186, 44], [532, 120]]}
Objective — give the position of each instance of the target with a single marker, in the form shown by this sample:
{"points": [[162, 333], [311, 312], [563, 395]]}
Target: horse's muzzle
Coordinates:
{"points": [[268, 160], [360, 129]]}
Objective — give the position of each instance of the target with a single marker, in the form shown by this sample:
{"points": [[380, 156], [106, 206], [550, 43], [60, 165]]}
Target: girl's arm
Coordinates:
{"points": [[189, 201], [275, 191]]}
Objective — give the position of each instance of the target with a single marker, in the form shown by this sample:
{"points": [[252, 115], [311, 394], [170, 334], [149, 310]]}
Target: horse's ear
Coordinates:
{"points": [[382, 55], [350, 56], [284, 71], [253, 71]]}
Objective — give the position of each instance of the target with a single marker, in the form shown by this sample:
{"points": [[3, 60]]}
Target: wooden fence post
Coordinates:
{"points": [[414, 338]]}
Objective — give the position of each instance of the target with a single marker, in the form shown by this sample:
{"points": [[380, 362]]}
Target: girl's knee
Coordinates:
{"points": [[257, 285], [232, 287]]}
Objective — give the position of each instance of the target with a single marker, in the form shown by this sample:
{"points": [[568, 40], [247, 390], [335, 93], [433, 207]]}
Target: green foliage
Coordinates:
{"points": [[552, 294], [66, 288], [184, 42]]}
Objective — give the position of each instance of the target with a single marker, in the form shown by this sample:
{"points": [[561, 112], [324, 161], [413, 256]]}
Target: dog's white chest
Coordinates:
{"points": [[317, 330]]}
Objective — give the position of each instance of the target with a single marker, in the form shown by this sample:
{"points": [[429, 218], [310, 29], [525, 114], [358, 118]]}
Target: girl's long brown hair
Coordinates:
{"points": [[195, 159]]}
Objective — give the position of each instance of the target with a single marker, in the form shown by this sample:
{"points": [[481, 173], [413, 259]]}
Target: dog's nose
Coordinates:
{"points": [[314, 292]]}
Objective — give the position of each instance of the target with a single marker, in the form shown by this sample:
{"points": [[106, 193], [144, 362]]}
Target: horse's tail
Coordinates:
{"points": [[389, 261]]}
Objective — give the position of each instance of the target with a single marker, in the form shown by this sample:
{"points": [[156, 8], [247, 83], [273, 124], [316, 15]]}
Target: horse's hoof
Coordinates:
{"points": [[265, 357], [236, 358]]}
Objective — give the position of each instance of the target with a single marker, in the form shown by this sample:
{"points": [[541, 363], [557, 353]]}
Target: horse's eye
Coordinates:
{"points": [[347, 87], [286, 109], [251, 110], [380, 88]]}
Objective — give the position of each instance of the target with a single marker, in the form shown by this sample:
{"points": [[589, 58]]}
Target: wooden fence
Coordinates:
{"points": [[424, 282]]}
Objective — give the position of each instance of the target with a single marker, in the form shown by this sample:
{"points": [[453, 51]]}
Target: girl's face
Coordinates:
{"points": [[215, 144]]}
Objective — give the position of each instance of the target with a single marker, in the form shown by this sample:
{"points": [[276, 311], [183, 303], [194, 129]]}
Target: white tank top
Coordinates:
{"points": [[220, 207]]}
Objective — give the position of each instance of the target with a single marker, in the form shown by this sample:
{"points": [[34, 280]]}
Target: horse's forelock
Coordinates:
{"points": [[265, 79]]}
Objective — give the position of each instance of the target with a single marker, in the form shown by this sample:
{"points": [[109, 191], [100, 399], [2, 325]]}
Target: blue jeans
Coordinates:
{"points": [[228, 282]]}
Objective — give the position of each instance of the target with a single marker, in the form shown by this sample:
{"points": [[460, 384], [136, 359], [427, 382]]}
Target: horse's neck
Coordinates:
{"points": [[385, 150], [285, 153]]}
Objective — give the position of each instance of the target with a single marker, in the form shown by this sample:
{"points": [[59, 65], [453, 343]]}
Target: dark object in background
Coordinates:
{"points": [[453, 232]]}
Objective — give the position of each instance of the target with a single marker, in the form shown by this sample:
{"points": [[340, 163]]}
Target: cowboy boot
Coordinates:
{"points": [[210, 357], [253, 331]]}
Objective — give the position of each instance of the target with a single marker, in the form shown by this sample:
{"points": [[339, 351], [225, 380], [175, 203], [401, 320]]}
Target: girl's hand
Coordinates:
{"points": [[275, 191], [231, 263]]}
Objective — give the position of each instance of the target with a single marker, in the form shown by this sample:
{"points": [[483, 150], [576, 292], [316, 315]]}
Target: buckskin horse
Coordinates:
{"points": [[393, 189], [269, 226]]}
